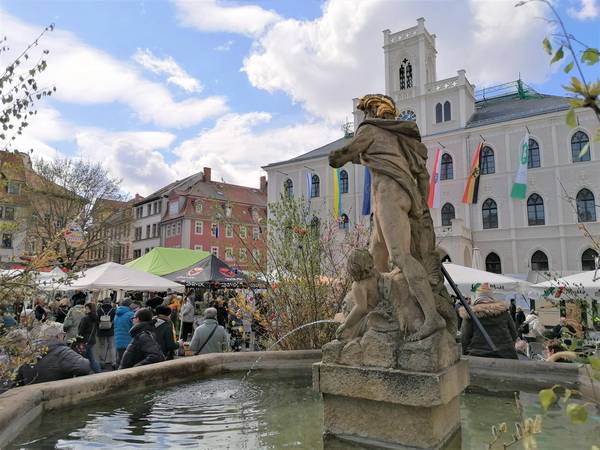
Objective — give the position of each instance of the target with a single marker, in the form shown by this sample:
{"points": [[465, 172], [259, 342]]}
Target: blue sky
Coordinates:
{"points": [[158, 89]]}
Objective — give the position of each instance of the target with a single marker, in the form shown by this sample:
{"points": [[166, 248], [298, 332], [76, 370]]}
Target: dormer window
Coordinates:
{"points": [[198, 206]]}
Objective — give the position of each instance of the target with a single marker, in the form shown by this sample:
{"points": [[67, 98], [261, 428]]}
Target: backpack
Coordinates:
{"points": [[105, 321]]}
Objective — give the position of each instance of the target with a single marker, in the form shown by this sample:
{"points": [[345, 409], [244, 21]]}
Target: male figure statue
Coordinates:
{"points": [[392, 150]]}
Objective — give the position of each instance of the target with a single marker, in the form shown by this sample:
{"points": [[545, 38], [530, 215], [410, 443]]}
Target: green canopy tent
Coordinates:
{"points": [[162, 261]]}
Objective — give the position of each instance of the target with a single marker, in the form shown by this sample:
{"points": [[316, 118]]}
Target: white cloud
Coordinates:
{"points": [[235, 149], [324, 63], [225, 47], [588, 10], [212, 15], [134, 157], [85, 75], [167, 66]]}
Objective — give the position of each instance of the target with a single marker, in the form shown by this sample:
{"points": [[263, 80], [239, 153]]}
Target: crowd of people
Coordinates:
{"points": [[514, 334], [80, 336]]}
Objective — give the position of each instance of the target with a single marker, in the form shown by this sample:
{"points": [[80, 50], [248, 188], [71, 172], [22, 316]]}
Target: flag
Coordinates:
{"points": [[519, 188], [366, 206], [433, 200], [337, 197], [470, 195]]}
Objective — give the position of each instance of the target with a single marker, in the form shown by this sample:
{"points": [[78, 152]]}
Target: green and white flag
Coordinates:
{"points": [[519, 188]]}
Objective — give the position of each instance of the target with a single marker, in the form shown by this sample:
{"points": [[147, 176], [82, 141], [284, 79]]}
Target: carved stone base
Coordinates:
{"points": [[391, 408], [431, 354]]}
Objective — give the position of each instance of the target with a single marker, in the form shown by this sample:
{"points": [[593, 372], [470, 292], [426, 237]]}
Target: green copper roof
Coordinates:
{"points": [[162, 261]]}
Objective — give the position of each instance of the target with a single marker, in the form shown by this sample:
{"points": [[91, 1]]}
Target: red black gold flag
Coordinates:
{"points": [[470, 195]]}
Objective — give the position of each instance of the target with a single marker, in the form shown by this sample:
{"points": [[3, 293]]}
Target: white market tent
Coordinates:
{"points": [[467, 279], [584, 283], [116, 276]]}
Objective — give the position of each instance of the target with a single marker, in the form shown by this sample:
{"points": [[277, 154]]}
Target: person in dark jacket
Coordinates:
{"points": [[496, 320], [154, 302], [519, 320], [62, 310], [58, 363], [106, 333], [40, 311], [122, 324], [88, 329], [143, 348], [165, 332], [513, 309]]}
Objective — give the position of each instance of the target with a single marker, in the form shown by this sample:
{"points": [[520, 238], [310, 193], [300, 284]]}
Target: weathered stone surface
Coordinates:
{"points": [[390, 423], [352, 353], [393, 386], [378, 349], [431, 354], [332, 351]]}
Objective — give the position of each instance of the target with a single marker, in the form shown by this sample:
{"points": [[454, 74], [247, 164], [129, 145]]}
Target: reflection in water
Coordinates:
{"points": [[276, 410]]}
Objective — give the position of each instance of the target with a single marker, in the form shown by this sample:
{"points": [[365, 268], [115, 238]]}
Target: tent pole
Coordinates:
{"points": [[467, 307]]}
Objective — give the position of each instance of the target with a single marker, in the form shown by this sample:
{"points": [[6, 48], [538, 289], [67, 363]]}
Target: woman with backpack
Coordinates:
{"points": [[106, 333], [88, 328]]}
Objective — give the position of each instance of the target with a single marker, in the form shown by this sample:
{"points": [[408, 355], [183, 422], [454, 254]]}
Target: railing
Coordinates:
{"points": [[401, 35]]}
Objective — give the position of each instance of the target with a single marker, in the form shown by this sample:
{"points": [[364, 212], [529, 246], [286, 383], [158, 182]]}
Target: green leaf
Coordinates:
{"points": [[568, 67], [571, 118], [577, 413], [558, 55], [568, 393], [590, 56], [547, 46], [594, 362], [547, 398], [584, 150]]}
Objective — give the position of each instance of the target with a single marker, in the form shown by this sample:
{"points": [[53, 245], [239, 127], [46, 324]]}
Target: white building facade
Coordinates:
{"points": [[543, 232]]}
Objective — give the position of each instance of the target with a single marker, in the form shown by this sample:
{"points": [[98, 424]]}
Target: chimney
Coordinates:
{"points": [[263, 184], [207, 174]]}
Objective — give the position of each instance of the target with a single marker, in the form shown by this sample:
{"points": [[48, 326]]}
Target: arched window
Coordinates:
{"points": [[438, 113], [402, 79], [493, 263], [343, 182], [533, 154], [489, 213], [447, 214], [586, 207], [539, 261], [409, 74], [588, 259], [535, 210], [486, 161], [446, 169], [288, 188], [315, 186], [344, 222], [578, 141], [447, 112]]}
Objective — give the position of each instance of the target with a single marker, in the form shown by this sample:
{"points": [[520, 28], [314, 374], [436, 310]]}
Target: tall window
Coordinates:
{"points": [[447, 168], [533, 154], [486, 162], [315, 186], [588, 259], [199, 227], [288, 188], [578, 141], [447, 112], [343, 182], [535, 210], [489, 214], [402, 77], [409, 75], [405, 73], [493, 263], [438, 113], [344, 222], [539, 261], [447, 214], [586, 207]]}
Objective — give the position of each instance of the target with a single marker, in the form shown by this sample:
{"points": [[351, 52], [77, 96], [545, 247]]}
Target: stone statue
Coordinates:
{"points": [[402, 227]]}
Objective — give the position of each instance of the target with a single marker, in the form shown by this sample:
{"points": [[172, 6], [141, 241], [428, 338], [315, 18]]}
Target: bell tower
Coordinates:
{"points": [[410, 65]]}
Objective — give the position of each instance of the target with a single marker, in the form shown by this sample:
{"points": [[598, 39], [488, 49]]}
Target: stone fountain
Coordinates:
{"points": [[393, 376]]}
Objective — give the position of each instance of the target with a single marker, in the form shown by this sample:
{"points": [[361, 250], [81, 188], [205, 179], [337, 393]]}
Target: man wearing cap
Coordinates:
{"points": [[58, 363], [209, 337], [122, 324]]}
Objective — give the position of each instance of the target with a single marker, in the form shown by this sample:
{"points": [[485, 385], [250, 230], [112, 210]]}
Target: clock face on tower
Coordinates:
{"points": [[408, 114]]}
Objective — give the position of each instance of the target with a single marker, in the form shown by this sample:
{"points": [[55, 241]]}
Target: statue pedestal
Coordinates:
{"points": [[389, 408]]}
